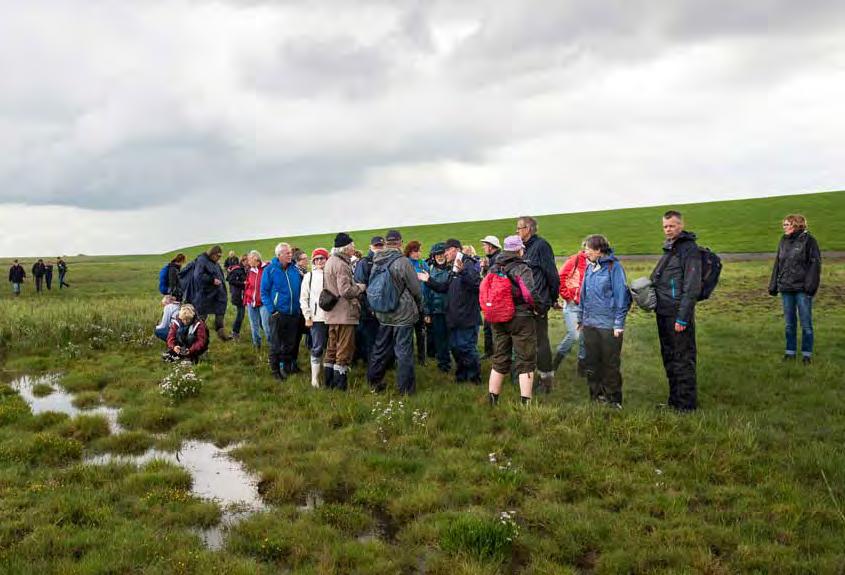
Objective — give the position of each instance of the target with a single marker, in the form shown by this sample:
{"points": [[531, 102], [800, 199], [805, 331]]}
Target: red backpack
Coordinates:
{"points": [[496, 295]]}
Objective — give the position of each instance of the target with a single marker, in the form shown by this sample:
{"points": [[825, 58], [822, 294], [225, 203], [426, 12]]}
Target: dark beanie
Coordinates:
{"points": [[342, 240], [453, 243]]}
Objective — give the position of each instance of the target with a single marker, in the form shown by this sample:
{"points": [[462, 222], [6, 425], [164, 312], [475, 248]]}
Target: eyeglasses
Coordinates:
{"points": [[522, 227], [319, 259]]}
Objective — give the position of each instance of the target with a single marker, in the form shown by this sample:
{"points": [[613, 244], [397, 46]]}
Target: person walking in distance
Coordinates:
{"points": [[38, 270], [61, 266], [17, 275], [677, 284]]}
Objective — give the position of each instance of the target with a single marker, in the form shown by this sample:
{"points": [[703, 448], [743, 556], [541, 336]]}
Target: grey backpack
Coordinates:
{"points": [[644, 294]]}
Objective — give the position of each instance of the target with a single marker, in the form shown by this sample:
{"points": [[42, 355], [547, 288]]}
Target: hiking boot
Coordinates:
{"points": [[615, 405], [340, 381], [558, 359], [545, 383], [582, 368], [221, 333], [328, 376], [807, 360], [524, 400], [236, 336], [281, 375], [789, 357]]}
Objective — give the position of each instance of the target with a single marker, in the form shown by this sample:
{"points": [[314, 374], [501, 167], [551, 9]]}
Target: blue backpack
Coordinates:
{"points": [[162, 279], [382, 294]]}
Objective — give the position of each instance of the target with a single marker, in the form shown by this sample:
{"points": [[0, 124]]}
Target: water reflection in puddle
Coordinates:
{"points": [[215, 476], [60, 401]]}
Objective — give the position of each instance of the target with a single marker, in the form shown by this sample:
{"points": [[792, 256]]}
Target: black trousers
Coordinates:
{"points": [[420, 337], [284, 329], [679, 354], [544, 350], [603, 363]]}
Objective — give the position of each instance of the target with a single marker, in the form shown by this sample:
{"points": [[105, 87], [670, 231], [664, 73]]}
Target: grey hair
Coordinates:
{"points": [[280, 246], [530, 222], [255, 254]]}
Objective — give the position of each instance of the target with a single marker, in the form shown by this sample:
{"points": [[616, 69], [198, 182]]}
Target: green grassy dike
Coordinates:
{"points": [[726, 226], [753, 482]]}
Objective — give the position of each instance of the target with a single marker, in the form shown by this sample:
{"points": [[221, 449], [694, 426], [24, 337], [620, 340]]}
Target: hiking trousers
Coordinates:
{"points": [[603, 363], [544, 349], [283, 331], [398, 340], [679, 355]]}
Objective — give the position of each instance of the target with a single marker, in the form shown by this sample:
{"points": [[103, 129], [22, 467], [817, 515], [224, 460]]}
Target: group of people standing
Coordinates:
{"points": [[374, 308], [42, 273]]}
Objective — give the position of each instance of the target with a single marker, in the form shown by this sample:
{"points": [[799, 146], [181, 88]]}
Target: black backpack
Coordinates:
{"points": [[711, 269]]}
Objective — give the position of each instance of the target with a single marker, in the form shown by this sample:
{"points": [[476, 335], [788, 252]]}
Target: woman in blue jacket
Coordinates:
{"points": [[605, 301]]}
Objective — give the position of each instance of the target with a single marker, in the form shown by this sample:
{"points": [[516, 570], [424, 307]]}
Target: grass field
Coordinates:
{"points": [[753, 482]]}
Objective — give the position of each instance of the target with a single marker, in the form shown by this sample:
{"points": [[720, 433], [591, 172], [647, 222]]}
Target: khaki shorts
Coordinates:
{"points": [[515, 344]]}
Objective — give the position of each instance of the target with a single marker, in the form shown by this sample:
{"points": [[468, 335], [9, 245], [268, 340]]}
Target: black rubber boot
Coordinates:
{"points": [[493, 398], [328, 376], [524, 400]]}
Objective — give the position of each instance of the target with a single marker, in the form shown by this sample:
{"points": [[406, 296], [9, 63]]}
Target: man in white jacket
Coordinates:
{"points": [[315, 317]]}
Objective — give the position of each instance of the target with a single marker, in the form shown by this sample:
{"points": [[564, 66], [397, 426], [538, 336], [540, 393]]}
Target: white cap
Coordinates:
{"points": [[493, 241]]}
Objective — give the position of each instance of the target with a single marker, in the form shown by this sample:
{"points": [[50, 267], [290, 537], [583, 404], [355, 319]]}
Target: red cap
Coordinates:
{"points": [[319, 252]]}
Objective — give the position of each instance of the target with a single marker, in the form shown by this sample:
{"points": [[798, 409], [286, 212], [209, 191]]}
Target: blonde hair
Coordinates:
{"points": [[187, 313], [797, 220], [469, 250]]}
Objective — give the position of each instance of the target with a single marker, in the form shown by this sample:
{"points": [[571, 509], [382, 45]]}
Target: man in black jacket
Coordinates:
{"points": [[16, 277], [677, 282], [796, 276], [463, 315], [541, 259], [38, 270]]}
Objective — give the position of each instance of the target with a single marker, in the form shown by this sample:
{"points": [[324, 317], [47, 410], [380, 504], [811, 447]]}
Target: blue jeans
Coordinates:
{"points": [[16, 288], [259, 319], [161, 332], [464, 344], [798, 306], [239, 319], [319, 339], [570, 318], [390, 340]]}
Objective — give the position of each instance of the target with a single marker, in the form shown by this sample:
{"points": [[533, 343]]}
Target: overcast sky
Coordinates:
{"points": [[138, 127]]}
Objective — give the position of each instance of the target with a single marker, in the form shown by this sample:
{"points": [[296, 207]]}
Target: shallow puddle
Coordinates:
{"points": [[215, 476], [60, 401]]}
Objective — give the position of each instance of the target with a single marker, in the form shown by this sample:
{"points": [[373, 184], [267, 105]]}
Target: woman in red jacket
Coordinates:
{"points": [[258, 314], [571, 278]]}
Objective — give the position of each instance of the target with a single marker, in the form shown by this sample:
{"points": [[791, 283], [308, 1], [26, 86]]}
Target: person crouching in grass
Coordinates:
{"points": [[188, 337], [605, 301]]}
